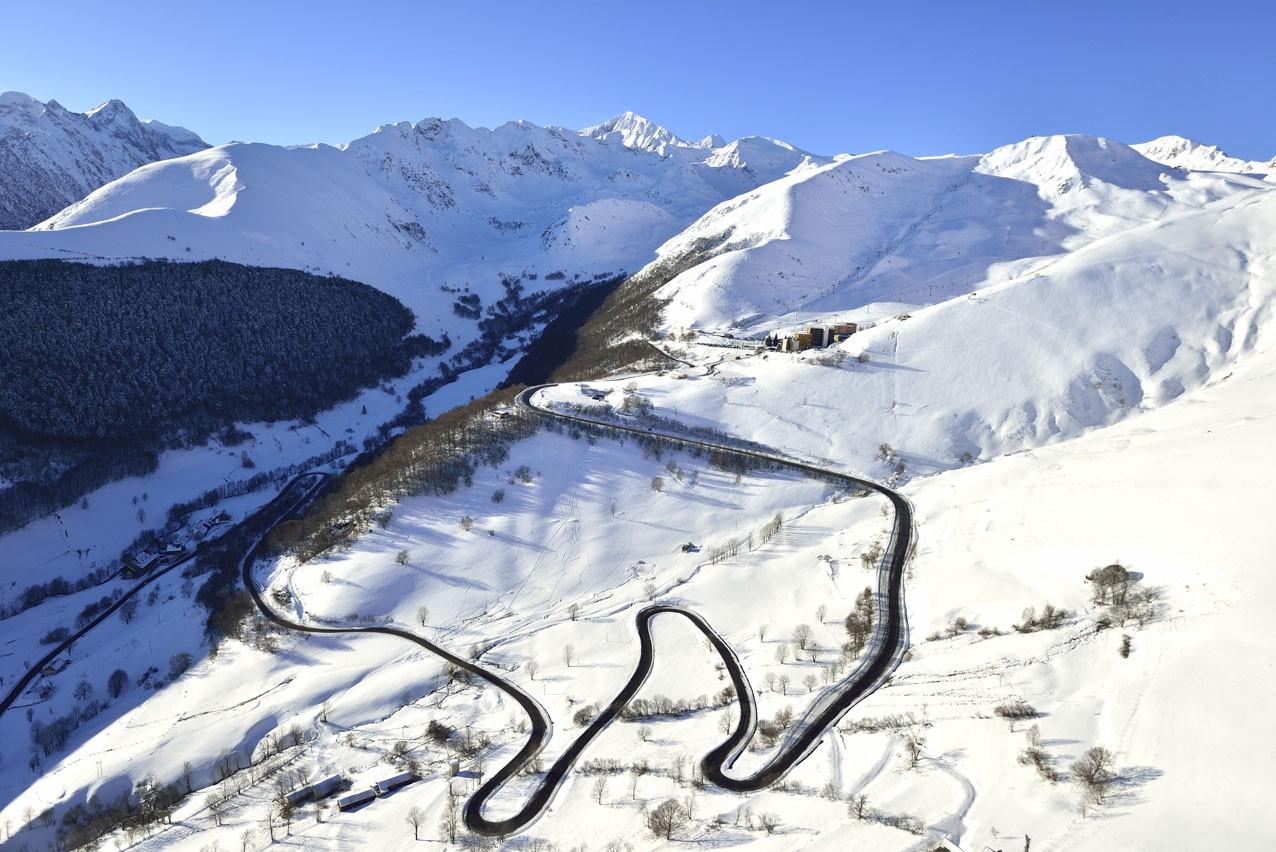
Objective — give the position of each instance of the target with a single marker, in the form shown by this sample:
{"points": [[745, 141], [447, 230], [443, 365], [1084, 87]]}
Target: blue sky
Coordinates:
{"points": [[921, 78]]}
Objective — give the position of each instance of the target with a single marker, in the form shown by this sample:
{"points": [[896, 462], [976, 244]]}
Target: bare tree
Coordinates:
{"points": [[401, 557], [423, 615], [246, 839], [216, 804], [415, 817], [810, 681], [600, 788], [769, 822], [573, 611], [761, 632], [820, 612], [859, 807], [531, 669], [782, 653], [783, 682], [914, 743], [802, 636], [644, 733], [1094, 772], [270, 820], [569, 655], [448, 823], [638, 770], [667, 819]]}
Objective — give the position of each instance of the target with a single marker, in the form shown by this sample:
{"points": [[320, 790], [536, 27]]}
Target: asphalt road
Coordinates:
{"points": [[882, 656]]}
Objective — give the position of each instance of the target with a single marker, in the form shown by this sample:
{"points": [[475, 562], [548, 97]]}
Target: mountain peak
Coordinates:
{"points": [[1181, 152], [65, 155], [112, 111], [636, 131], [19, 101]]}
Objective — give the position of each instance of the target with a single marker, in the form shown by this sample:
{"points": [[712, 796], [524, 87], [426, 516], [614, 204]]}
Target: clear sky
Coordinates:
{"points": [[922, 78]]}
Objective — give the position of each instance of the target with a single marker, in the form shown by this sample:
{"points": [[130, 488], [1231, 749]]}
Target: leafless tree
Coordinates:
{"points": [[810, 681], [782, 653], [914, 743], [1094, 772], [667, 819], [573, 611], [448, 823], [423, 615], [859, 807], [769, 822], [569, 655], [531, 669], [600, 788], [216, 805], [820, 612], [802, 636], [415, 817], [636, 771], [783, 682]]}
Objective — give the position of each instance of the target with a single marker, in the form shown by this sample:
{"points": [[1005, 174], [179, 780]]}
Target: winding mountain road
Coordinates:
{"points": [[883, 654]]}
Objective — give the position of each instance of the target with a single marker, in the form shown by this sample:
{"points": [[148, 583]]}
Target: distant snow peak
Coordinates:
{"points": [[1181, 152], [51, 157], [636, 131]]}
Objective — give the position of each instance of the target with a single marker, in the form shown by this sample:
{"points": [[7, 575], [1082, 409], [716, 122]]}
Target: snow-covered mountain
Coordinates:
{"points": [[887, 227], [51, 157], [731, 167], [412, 207], [635, 131], [1184, 153], [1069, 360]]}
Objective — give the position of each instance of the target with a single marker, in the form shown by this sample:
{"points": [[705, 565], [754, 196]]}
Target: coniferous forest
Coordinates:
{"points": [[107, 351], [100, 366]]}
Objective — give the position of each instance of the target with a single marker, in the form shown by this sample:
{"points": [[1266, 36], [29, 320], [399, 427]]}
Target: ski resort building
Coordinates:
{"points": [[813, 337]]}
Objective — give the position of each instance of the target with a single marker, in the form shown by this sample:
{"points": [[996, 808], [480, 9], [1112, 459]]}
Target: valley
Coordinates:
{"points": [[587, 565]]}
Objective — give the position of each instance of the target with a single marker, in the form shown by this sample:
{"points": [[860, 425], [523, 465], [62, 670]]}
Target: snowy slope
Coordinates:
{"points": [[996, 538], [51, 157], [1091, 378], [886, 227], [1124, 324], [1184, 153]]}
